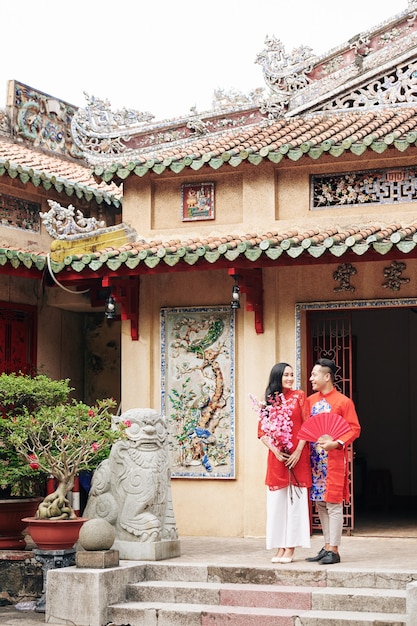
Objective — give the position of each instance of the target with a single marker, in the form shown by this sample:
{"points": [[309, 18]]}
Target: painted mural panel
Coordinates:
{"points": [[197, 358]]}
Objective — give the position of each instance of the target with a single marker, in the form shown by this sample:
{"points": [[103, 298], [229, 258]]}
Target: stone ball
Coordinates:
{"points": [[97, 534]]}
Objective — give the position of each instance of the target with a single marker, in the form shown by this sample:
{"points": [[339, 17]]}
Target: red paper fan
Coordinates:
{"points": [[321, 424]]}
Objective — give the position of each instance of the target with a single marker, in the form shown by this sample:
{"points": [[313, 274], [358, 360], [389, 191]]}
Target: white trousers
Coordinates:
{"points": [[287, 519], [331, 520]]}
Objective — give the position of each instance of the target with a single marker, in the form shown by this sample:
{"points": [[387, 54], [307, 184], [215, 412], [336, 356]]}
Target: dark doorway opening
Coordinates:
{"points": [[382, 350], [385, 394]]}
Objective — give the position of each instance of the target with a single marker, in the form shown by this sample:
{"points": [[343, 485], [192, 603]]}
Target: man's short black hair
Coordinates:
{"points": [[328, 363]]}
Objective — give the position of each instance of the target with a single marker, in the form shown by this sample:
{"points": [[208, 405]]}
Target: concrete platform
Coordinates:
{"points": [[364, 554]]}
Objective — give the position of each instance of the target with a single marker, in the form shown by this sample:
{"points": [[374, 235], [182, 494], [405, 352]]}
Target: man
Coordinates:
{"points": [[329, 459]]}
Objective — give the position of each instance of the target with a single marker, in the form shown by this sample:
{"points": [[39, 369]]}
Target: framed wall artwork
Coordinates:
{"points": [[197, 201], [197, 384]]}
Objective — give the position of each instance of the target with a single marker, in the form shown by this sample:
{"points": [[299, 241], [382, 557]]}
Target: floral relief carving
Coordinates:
{"points": [[370, 187]]}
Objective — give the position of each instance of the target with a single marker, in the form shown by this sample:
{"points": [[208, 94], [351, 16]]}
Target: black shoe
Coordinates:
{"points": [[318, 556], [330, 558]]}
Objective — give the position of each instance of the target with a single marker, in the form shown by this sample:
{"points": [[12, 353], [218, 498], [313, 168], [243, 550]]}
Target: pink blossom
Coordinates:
{"points": [[95, 446], [127, 423], [275, 420], [91, 413]]}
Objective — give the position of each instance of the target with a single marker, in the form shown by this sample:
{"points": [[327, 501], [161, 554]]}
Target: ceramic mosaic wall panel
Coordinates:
{"points": [[370, 187], [19, 213], [197, 374]]}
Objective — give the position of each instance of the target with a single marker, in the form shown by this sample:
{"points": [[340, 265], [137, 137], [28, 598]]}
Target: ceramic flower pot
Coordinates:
{"points": [[12, 510], [51, 534]]}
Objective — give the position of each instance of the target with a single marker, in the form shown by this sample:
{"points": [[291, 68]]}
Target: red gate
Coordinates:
{"points": [[331, 338]]}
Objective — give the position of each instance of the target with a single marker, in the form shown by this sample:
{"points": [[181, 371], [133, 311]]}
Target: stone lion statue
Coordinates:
{"points": [[131, 489]]}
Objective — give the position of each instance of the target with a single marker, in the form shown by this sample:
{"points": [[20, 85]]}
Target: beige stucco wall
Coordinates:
{"points": [[249, 199], [236, 507]]}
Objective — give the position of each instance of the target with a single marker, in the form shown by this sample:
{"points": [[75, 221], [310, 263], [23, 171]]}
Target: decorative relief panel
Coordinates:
{"points": [[343, 274], [41, 119], [19, 213], [197, 373], [392, 274], [398, 85], [369, 187]]}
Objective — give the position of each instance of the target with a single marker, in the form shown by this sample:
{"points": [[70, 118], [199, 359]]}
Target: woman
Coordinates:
{"points": [[288, 474]]}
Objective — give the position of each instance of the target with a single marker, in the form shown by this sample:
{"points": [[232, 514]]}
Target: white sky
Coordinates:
{"points": [[169, 55]]}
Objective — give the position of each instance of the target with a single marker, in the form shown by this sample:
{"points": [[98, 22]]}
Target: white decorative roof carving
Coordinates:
{"points": [[62, 222], [374, 68]]}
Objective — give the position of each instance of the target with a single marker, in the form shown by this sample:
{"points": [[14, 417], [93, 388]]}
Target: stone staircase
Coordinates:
{"points": [[196, 595]]}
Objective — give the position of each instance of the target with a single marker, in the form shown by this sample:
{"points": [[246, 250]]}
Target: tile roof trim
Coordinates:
{"points": [[47, 181], [121, 171], [331, 245]]}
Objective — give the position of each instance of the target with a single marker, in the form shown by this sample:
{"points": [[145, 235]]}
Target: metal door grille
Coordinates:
{"points": [[331, 338]]}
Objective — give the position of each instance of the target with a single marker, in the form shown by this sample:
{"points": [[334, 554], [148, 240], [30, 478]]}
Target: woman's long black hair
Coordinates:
{"points": [[275, 381]]}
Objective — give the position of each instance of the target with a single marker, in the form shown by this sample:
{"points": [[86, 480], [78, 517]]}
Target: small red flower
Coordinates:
{"points": [[127, 423], [33, 462], [95, 446], [91, 413]]}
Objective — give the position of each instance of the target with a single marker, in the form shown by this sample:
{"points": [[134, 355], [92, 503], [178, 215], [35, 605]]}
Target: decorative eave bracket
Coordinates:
{"points": [[126, 293], [250, 283]]}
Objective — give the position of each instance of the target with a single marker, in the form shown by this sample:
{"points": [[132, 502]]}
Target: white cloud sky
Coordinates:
{"points": [[166, 56]]}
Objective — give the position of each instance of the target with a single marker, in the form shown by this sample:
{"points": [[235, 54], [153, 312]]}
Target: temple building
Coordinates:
{"points": [[172, 263]]}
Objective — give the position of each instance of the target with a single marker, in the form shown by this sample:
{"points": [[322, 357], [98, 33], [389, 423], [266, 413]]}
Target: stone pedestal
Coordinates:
{"points": [[85, 594], [51, 559], [97, 559], [148, 550]]}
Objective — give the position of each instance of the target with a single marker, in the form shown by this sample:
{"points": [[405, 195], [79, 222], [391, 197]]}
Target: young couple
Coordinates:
{"points": [[292, 470]]}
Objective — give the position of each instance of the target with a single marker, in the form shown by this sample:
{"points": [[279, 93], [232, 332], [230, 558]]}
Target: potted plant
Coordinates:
{"points": [[59, 440], [22, 483]]}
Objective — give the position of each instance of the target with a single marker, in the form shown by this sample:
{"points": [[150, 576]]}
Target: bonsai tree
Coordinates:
{"points": [[18, 476], [61, 440]]}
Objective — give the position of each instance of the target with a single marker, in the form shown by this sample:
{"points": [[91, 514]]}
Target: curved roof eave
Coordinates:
{"points": [[60, 184], [334, 140], [320, 245]]}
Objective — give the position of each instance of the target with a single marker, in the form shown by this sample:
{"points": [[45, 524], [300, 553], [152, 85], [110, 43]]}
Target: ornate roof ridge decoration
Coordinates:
{"points": [[104, 135], [62, 222], [284, 73], [319, 79], [40, 119], [5, 129], [76, 235]]}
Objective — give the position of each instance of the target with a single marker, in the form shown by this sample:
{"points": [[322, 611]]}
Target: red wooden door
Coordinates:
{"points": [[17, 338], [330, 337]]}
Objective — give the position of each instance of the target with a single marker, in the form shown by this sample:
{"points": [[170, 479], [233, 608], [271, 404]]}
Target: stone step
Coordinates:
{"points": [[349, 618], [244, 595], [181, 614], [282, 575], [353, 599], [177, 614], [271, 596]]}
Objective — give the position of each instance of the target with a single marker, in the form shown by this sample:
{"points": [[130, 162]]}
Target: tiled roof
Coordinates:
{"points": [[51, 171], [252, 249], [310, 135]]}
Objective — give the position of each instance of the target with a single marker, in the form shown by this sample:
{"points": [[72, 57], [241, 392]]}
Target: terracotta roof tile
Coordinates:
{"points": [[312, 134], [47, 168], [360, 242]]}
